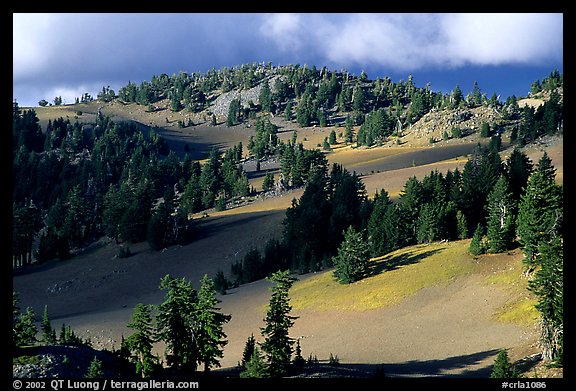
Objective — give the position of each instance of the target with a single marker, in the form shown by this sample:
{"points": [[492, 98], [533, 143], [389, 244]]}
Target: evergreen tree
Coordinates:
{"points": [[326, 145], [540, 216], [383, 226], [548, 285], [248, 350], [546, 168], [233, 112], [503, 369], [518, 169], [352, 259], [23, 324], [140, 343], [298, 361], [255, 366], [461, 225], [332, 138], [268, 183], [48, 333], [209, 322], [288, 111], [485, 129], [349, 130], [277, 344], [501, 214], [175, 322], [476, 247], [428, 223], [95, 370], [266, 97]]}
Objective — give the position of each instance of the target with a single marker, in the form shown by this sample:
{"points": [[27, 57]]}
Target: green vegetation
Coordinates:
{"points": [[351, 261], [395, 276], [503, 369], [78, 182]]}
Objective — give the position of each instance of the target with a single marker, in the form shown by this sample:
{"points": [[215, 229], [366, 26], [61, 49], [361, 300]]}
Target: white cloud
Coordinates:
{"points": [[284, 29], [28, 51], [493, 39], [414, 41]]}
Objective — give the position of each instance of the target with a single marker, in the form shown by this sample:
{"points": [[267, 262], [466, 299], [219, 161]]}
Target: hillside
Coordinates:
{"points": [[427, 310]]}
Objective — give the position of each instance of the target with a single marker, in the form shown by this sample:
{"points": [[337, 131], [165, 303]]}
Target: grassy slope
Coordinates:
{"points": [[404, 272]]}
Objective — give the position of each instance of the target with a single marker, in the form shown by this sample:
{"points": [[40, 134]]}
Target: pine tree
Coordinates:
{"points": [[140, 343], [383, 226], [461, 225], [265, 97], [95, 370], [248, 350], [476, 247], [517, 171], [175, 321], [548, 285], [349, 130], [298, 361], [503, 369], [210, 337], [277, 344], [255, 367], [48, 333], [332, 138], [501, 213], [268, 183], [353, 254], [540, 215], [546, 168]]}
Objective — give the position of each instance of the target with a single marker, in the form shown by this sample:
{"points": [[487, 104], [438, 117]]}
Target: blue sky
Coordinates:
{"points": [[69, 54]]}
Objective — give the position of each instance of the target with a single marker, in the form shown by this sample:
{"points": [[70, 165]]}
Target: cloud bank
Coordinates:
{"points": [[406, 42], [69, 52]]}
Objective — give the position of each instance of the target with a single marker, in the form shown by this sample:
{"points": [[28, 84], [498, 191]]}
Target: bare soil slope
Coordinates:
{"points": [[450, 329]]}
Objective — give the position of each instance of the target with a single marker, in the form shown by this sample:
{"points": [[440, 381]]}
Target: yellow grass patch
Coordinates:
{"points": [[398, 275], [520, 309]]}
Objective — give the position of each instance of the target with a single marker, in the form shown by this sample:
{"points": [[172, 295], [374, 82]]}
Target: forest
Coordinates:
{"points": [[76, 182]]}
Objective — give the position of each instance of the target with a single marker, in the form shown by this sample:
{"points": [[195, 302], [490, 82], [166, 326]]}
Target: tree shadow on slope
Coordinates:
{"points": [[463, 366], [393, 262]]}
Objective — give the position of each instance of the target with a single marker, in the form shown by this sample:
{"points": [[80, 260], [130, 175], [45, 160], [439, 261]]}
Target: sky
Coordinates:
{"points": [[68, 54]]}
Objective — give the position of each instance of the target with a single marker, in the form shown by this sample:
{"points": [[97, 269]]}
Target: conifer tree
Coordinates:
{"points": [[268, 183], [548, 285], [476, 247], [95, 370], [48, 333], [540, 215], [248, 350], [210, 337], [140, 343], [503, 369], [501, 213], [383, 226], [175, 321], [461, 225], [332, 138], [255, 366], [353, 254], [277, 344]]}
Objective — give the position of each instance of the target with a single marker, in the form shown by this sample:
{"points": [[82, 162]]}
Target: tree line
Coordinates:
{"points": [[76, 182], [499, 204], [189, 324], [310, 95]]}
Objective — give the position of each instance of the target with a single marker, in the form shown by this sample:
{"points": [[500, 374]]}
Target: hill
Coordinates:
{"points": [[427, 310]]}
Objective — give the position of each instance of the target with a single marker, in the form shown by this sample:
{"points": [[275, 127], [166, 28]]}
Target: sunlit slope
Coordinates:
{"points": [[402, 273]]}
